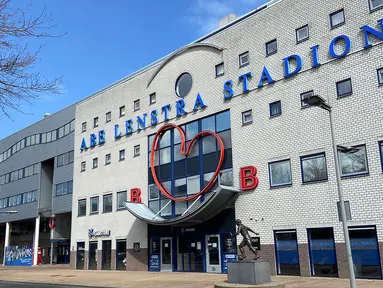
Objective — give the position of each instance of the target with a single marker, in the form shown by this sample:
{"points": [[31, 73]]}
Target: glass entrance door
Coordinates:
{"points": [[287, 253], [80, 255], [190, 254], [213, 254], [106, 254], [166, 254]]}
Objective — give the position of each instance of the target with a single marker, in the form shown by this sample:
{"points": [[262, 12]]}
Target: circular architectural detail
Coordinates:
{"points": [[183, 85]]}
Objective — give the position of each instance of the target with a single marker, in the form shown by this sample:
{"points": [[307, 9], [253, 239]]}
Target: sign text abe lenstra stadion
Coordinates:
{"points": [[141, 121]]}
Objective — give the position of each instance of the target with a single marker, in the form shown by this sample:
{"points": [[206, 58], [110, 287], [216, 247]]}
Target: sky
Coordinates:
{"points": [[106, 41]]}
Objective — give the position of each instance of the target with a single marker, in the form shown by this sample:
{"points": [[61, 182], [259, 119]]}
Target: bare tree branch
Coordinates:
{"points": [[18, 82]]}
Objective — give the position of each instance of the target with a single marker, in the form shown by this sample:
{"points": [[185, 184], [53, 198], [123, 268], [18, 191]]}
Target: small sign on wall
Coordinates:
{"points": [[256, 243], [136, 247]]}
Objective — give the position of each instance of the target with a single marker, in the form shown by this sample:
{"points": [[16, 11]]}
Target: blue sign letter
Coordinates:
{"points": [[227, 90], [180, 107], [314, 51], [244, 79], [286, 62], [153, 118], [199, 103], [367, 29], [116, 134], [83, 145], [101, 137], [346, 48], [141, 122], [165, 109], [265, 76], [93, 140], [129, 126]]}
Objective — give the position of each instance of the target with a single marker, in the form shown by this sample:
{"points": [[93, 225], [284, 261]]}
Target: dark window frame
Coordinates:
{"points": [[316, 155], [380, 145], [303, 104], [358, 174], [134, 105], [337, 88], [90, 205], [120, 110], [103, 202], [380, 81], [243, 118], [95, 119], [94, 166], [126, 197], [135, 154], [280, 105], [216, 70], [340, 24], [267, 48], [151, 102], [373, 9], [106, 116], [82, 127], [110, 161], [81, 168], [119, 155], [240, 65], [280, 185], [308, 34], [78, 207]]}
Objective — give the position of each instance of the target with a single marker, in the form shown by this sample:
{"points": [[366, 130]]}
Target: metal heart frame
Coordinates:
{"points": [[159, 133]]}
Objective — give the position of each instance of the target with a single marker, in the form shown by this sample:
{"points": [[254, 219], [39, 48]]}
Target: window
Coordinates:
{"points": [[122, 155], [152, 98], [304, 96], [95, 163], [247, 117], [122, 111], [275, 109], [108, 159], [137, 105], [83, 127], [108, 117], [280, 173], [136, 150], [95, 122], [183, 85], [121, 199], [353, 163], [380, 150], [244, 59], [375, 4], [107, 203], [380, 76], [219, 70], [83, 166], [94, 205], [344, 88], [314, 168], [81, 207], [271, 47], [337, 19], [302, 34]]}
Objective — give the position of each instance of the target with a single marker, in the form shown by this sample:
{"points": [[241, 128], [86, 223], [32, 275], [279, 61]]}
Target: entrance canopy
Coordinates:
{"points": [[214, 203]]}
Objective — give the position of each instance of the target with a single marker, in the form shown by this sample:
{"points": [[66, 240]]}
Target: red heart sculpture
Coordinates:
{"points": [[163, 190]]}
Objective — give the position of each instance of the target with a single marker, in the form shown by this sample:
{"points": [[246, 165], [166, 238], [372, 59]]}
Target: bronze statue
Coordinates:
{"points": [[244, 231]]}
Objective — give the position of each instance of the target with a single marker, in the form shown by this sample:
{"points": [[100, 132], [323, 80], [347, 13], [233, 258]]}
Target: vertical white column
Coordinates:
{"points": [[7, 240], [36, 240]]}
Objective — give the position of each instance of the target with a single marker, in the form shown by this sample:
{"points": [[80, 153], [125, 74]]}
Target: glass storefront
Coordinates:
{"points": [[93, 254], [121, 255], [287, 255], [322, 252]]}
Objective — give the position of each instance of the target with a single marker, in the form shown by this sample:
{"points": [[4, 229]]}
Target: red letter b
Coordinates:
{"points": [[248, 178], [135, 195]]}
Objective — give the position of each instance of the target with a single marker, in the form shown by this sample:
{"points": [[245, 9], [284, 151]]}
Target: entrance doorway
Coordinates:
{"points": [[80, 255], [106, 254], [287, 253], [213, 254], [166, 254], [190, 254], [93, 255], [62, 252]]}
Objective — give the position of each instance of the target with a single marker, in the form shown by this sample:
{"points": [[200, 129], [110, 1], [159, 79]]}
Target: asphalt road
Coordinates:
{"points": [[6, 284]]}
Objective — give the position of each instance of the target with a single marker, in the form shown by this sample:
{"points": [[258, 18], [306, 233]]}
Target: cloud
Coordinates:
{"points": [[205, 15]]}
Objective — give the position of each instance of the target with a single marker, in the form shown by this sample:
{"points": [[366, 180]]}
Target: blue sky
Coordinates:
{"points": [[108, 40]]}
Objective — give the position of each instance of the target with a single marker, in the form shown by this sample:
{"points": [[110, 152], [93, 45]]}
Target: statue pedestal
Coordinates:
{"points": [[248, 272]]}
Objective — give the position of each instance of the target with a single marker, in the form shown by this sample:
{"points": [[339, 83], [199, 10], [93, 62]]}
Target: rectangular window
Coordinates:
{"points": [[65, 158], [280, 173], [380, 150], [61, 132], [83, 127], [344, 88], [247, 117], [275, 109], [219, 70], [81, 207], [136, 150], [67, 129], [59, 189], [95, 122], [380, 75], [94, 205], [121, 199], [70, 187], [108, 159], [353, 163], [137, 105], [244, 59], [154, 192], [71, 156], [33, 139], [95, 163], [72, 125], [337, 19], [107, 203], [152, 98], [43, 138], [37, 139], [108, 117], [304, 96], [122, 155], [83, 166], [375, 4], [49, 137], [271, 47], [54, 135], [122, 111], [314, 168], [302, 34]]}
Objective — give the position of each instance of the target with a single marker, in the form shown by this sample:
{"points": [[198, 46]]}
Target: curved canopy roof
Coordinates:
{"points": [[214, 203]]}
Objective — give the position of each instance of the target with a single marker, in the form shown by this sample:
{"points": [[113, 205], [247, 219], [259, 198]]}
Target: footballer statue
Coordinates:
{"points": [[244, 231]]}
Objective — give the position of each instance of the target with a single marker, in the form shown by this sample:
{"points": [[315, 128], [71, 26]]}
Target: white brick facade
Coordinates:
{"points": [[357, 119]]}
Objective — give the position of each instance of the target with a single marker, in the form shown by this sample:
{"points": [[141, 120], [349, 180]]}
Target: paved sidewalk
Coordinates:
{"points": [[62, 275]]}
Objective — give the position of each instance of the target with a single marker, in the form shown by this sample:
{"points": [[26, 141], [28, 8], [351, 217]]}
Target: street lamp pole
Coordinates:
{"points": [[320, 102]]}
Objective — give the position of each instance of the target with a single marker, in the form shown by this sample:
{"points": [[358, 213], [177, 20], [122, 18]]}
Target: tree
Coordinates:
{"points": [[18, 81]]}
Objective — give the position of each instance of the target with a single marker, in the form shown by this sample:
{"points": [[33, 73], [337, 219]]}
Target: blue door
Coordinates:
{"points": [[286, 247]]}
